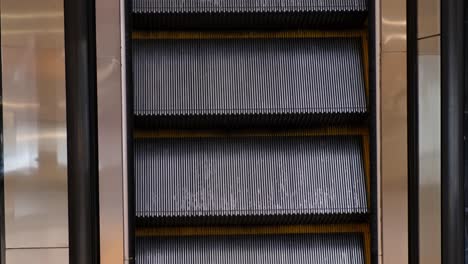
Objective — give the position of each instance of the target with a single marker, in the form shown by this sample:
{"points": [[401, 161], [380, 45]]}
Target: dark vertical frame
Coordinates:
{"points": [[2, 172], [82, 140], [413, 131], [452, 131], [373, 132], [130, 159], [465, 127]]}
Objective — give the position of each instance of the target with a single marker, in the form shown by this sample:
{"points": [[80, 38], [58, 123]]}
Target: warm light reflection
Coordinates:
{"points": [[32, 31], [394, 37], [41, 136], [400, 23], [105, 72], [33, 15], [19, 106]]}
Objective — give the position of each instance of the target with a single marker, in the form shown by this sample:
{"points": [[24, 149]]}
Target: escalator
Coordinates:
{"points": [[252, 131]]}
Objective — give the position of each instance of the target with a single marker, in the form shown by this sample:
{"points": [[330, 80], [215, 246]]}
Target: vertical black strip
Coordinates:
{"points": [[130, 126], [83, 198], [465, 127], [373, 133], [452, 131], [413, 131], [2, 169]]}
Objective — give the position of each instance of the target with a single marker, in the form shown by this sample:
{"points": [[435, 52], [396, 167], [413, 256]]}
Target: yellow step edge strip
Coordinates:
{"points": [[246, 34], [262, 230], [330, 131], [365, 61], [252, 230], [367, 167]]}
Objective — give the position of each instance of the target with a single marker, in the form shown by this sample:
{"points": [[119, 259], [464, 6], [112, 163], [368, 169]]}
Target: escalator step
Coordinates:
{"points": [[271, 249], [248, 82], [248, 14], [249, 180]]}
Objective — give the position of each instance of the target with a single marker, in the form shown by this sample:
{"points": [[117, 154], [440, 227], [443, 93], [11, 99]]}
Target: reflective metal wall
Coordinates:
{"points": [[113, 198], [429, 151], [429, 97], [393, 135], [35, 146]]}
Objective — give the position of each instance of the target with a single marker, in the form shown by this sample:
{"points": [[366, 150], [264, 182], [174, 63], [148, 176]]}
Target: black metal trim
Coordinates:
{"points": [[452, 95], [2, 170], [413, 131], [373, 132], [465, 127], [82, 136], [130, 127]]}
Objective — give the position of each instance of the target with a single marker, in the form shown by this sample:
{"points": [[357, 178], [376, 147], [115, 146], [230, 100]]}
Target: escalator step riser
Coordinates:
{"points": [[278, 249], [313, 78], [248, 14], [250, 179], [237, 6]]}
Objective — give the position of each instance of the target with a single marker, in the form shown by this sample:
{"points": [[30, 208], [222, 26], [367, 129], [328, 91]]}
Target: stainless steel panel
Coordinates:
{"points": [[392, 131], [393, 21], [108, 29], [428, 18], [110, 161], [34, 124], [394, 158], [113, 214], [429, 151], [37, 256], [27, 22]]}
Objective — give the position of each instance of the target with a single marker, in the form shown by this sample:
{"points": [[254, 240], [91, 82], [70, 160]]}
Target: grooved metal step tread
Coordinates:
{"points": [[247, 82], [243, 14], [249, 180], [271, 249], [203, 6]]}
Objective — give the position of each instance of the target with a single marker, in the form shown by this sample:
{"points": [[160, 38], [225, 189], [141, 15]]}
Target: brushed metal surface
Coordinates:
{"points": [[112, 131], [37, 256], [35, 149], [428, 18], [429, 151], [110, 161], [393, 21], [394, 159]]}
